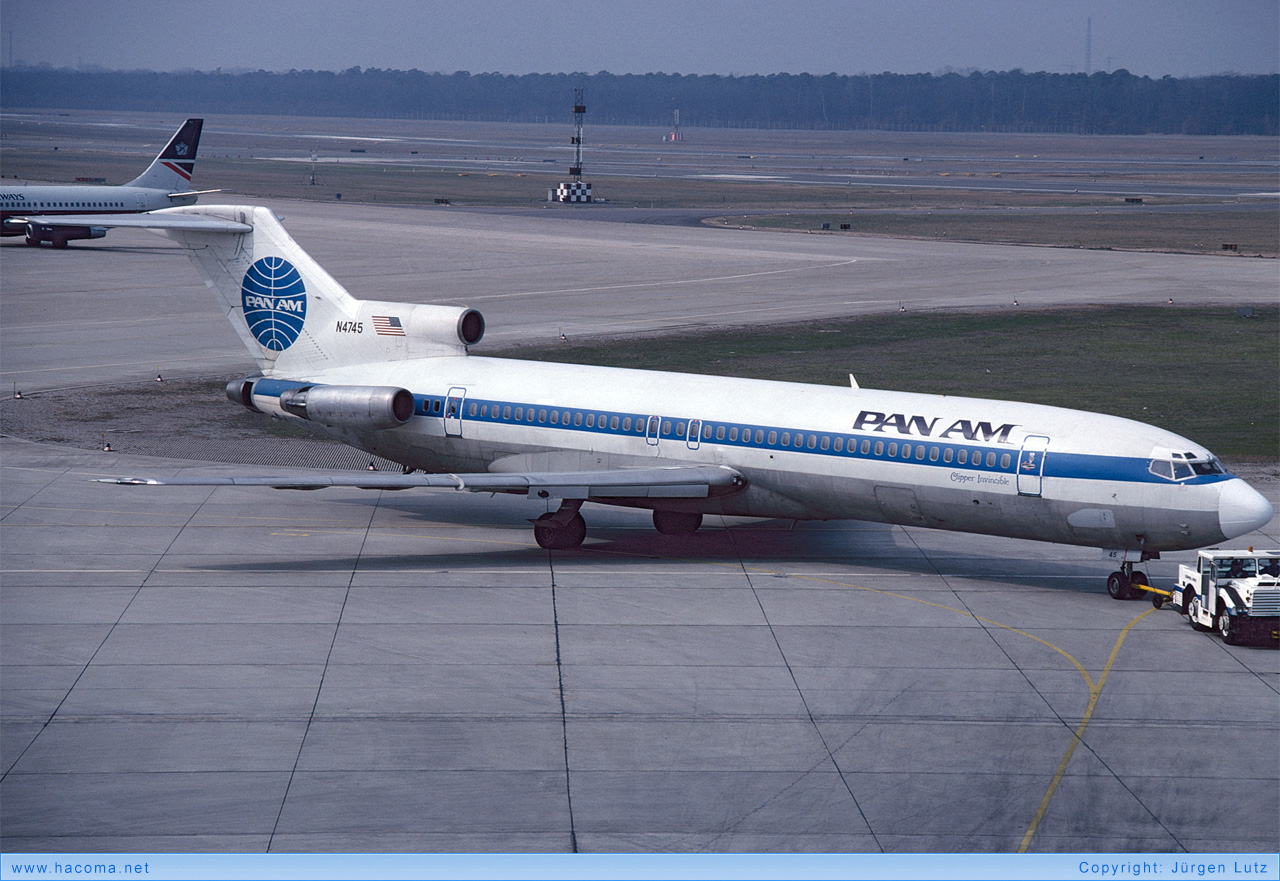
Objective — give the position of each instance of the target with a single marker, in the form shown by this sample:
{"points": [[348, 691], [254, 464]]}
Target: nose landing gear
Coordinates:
{"points": [[1131, 584]]}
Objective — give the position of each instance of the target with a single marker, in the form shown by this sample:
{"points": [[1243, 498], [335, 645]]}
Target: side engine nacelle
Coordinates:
{"points": [[360, 407], [58, 236]]}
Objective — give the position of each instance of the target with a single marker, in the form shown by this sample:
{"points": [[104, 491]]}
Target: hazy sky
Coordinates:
{"points": [[1151, 37]]}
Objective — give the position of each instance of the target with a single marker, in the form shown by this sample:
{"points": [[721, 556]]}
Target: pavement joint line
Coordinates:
{"points": [[337, 626], [830, 756], [1095, 691], [1094, 687], [564, 716], [87, 664]]}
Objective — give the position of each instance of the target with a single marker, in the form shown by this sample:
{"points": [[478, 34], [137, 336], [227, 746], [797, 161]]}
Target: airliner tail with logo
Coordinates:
{"points": [[58, 213], [399, 380]]}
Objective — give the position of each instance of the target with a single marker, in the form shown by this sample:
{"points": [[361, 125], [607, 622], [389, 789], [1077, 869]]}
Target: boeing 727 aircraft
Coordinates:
{"points": [[27, 209], [398, 380]]}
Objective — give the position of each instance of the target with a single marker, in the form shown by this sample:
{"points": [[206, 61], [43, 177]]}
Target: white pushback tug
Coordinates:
{"points": [[1234, 592]]}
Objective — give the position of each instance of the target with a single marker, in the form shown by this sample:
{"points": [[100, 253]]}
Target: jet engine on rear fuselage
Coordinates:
{"points": [[358, 407]]}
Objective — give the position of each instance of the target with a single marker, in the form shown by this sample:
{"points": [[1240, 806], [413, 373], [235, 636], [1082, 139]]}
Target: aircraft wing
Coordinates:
{"points": [[152, 220], [694, 482]]}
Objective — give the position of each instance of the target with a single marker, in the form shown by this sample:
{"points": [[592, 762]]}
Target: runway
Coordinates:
{"points": [[238, 670]]}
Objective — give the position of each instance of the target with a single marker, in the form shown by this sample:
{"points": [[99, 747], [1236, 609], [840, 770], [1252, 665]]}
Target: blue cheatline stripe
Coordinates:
{"points": [[1075, 466], [1058, 465]]}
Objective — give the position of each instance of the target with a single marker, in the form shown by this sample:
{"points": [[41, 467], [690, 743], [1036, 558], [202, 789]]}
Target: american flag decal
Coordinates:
{"points": [[387, 325]]}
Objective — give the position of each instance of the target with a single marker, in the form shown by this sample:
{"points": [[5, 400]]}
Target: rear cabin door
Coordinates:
{"points": [[453, 405], [1031, 465]]}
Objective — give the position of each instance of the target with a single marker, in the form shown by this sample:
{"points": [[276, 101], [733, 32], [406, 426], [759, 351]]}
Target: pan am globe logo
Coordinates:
{"points": [[275, 302]]}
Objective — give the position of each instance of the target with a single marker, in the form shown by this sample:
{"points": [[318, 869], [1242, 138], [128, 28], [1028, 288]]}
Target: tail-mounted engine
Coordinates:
{"points": [[343, 406], [415, 331]]}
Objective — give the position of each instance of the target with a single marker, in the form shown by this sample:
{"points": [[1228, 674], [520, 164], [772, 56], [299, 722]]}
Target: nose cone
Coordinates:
{"points": [[1241, 509]]}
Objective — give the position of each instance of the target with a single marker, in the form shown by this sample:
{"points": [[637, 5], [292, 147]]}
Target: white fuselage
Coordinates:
{"points": [[50, 200], [807, 452]]}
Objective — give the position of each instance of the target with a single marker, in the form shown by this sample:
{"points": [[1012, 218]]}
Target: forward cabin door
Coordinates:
{"points": [[453, 412], [1031, 465]]}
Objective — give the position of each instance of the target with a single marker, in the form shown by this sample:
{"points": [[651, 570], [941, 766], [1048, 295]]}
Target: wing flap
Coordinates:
{"points": [[696, 482]]}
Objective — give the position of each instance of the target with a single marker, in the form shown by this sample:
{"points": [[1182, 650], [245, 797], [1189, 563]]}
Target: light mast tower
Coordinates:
{"points": [[576, 190], [579, 110]]}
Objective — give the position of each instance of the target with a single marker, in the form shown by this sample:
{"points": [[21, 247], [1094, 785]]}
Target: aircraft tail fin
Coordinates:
{"points": [[171, 170], [289, 312]]}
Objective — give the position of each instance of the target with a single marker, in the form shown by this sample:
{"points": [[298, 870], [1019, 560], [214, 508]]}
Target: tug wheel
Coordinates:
{"points": [[1193, 612]]}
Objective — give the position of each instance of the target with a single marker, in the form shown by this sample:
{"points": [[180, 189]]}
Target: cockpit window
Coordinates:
{"points": [[1177, 469]]}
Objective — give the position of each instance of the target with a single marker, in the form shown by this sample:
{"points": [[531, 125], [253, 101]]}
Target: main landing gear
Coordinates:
{"points": [[564, 529], [561, 530]]}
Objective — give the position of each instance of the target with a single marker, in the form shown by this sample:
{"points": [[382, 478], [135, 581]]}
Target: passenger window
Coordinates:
{"points": [[893, 450], [613, 423], [920, 453], [991, 460], [555, 418], [759, 435], [947, 455], [591, 420], [733, 433], [472, 410], [933, 454], [839, 445], [626, 423], [577, 418], [484, 410], [786, 438], [864, 447], [773, 438], [706, 431], [962, 457], [879, 448], [719, 432], [906, 451], [1005, 461], [542, 415], [813, 441], [679, 429]]}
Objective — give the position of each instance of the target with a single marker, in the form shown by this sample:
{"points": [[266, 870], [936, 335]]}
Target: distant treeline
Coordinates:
{"points": [[1009, 101]]}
